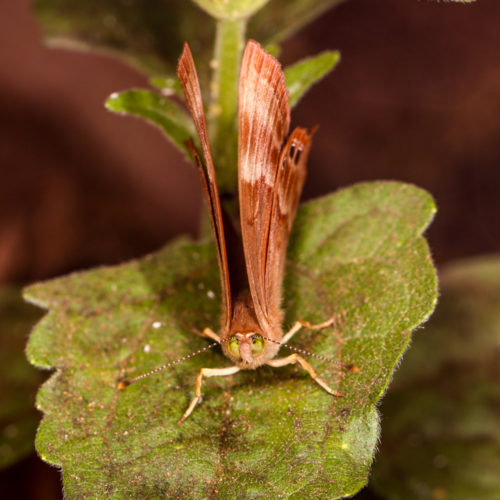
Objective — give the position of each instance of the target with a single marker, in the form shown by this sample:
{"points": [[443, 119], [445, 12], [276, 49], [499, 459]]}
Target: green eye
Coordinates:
{"points": [[233, 347], [257, 345]]}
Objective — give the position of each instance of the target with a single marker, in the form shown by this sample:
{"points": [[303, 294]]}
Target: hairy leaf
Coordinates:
{"points": [[158, 110], [303, 75], [357, 255], [441, 437], [18, 380]]}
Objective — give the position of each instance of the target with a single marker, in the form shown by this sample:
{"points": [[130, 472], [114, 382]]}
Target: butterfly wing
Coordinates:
{"points": [[271, 176], [188, 78]]}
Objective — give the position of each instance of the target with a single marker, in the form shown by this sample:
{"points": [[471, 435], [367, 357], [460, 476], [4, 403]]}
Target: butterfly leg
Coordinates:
{"points": [[295, 358], [206, 372], [305, 324]]}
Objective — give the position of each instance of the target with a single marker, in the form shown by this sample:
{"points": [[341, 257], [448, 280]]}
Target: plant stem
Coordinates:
{"points": [[224, 101]]}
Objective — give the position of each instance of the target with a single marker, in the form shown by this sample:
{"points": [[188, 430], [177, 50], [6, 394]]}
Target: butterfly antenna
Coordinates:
{"points": [[124, 383], [348, 366]]}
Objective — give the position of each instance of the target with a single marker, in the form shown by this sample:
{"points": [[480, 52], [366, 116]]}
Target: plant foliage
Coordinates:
{"points": [[357, 255]]}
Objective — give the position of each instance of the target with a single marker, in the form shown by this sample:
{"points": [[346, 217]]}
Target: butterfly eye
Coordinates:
{"points": [[257, 345], [233, 347]]}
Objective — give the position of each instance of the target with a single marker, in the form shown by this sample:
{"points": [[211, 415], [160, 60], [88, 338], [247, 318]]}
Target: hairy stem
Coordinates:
{"points": [[224, 101]]}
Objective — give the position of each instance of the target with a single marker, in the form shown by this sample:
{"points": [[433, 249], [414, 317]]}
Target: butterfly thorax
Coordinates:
{"points": [[246, 342]]}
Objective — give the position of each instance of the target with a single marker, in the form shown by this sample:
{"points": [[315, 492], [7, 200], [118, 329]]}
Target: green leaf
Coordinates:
{"points": [[303, 75], [168, 86], [441, 437], [149, 34], [158, 110], [280, 19], [357, 254], [274, 49], [230, 9], [18, 380]]}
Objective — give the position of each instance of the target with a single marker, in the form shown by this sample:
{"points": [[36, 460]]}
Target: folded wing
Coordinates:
{"points": [[271, 176], [188, 78]]}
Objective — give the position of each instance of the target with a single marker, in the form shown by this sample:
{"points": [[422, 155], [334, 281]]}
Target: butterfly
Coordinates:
{"points": [[271, 175]]}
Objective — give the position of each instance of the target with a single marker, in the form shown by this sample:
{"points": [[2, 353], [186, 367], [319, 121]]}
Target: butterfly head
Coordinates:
{"points": [[249, 350]]}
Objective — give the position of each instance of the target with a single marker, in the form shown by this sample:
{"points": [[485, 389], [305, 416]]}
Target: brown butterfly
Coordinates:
{"points": [[271, 174]]}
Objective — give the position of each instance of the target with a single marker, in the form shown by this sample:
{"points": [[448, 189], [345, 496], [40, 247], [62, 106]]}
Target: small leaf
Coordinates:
{"points": [[168, 86], [440, 436], [279, 19], [274, 49], [231, 9], [18, 380], [357, 254], [303, 75], [158, 110], [148, 34]]}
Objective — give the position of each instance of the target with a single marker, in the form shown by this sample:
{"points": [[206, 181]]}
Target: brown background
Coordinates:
{"points": [[415, 98]]}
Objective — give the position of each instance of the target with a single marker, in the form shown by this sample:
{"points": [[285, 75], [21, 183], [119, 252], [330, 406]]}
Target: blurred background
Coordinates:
{"points": [[415, 98]]}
